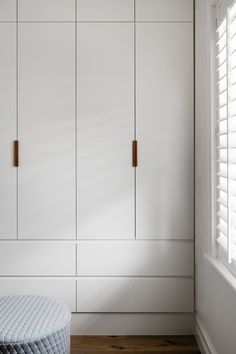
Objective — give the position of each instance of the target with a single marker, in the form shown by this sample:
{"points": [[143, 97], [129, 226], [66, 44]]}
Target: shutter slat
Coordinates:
{"points": [[220, 52], [222, 241], [222, 202], [222, 217], [221, 133], [221, 120], [222, 187], [220, 66], [222, 174], [222, 229], [221, 36], [221, 147]]}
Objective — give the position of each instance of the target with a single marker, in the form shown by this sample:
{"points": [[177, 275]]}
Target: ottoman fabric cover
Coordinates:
{"points": [[34, 324]]}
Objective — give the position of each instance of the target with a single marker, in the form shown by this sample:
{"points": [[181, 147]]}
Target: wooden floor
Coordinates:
{"points": [[134, 344]]}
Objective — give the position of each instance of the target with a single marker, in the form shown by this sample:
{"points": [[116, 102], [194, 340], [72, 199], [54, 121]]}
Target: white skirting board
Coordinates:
{"points": [[132, 324], [203, 340]]}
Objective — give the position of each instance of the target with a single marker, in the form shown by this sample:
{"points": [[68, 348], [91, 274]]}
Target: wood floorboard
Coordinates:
{"points": [[133, 344]]}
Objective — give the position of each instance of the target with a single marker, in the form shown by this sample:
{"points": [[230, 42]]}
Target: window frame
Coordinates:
{"points": [[217, 251]]}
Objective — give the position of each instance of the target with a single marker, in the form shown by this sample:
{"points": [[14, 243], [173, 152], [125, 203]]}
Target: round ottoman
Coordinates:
{"points": [[34, 324]]}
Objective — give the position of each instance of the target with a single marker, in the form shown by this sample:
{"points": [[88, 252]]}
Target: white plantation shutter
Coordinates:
{"points": [[226, 138]]}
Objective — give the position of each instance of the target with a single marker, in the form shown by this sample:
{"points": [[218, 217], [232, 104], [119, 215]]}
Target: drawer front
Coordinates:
{"points": [[61, 289], [26, 258], [135, 295], [135, 258], [164, 10]]}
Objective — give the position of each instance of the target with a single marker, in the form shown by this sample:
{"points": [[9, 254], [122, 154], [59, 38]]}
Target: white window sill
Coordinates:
{"points": [[225, 274]]}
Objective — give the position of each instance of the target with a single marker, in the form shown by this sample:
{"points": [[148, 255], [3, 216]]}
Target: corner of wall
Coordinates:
{"points": [[203, 340]]}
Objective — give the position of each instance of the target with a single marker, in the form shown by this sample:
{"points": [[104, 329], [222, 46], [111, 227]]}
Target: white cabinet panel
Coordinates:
{"points": [[135, 295], [7, 130], [165, 176], [7, 10], [132, 324], [135, 258], [61, 289], [47, 130], [164, 10], [25, 258], [105, 10], [105, 131], [46, 10]]}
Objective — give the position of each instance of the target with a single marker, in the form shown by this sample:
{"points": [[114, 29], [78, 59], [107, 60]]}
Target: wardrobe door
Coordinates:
{"points": [[165, 175], [47, 130], [8, 133], [8, 10], [105, 131]]}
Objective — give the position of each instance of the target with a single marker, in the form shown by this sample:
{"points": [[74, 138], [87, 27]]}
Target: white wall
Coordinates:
{"points": [[215, 299]]}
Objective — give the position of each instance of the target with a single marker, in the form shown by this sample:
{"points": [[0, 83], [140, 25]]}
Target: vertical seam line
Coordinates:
{"points": [[194, 151], [135, 127], [76, 129], [17, 117], [76, 161]]}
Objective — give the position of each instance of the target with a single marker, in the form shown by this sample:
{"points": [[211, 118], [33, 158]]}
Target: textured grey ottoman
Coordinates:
{"points": [[34, 324]]}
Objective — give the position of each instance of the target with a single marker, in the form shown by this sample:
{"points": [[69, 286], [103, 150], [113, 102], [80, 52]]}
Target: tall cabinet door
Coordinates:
{"points": [[8, 9], [105, 130], [8, 123], [47, 130], [165, 130]]}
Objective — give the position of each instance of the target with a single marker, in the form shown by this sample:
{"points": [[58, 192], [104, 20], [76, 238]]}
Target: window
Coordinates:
{"points": [[226, 140]]}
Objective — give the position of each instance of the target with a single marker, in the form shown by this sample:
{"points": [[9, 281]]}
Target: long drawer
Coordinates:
{"points": [[135, 258], [29, 258], [135, 295], [61, 289]]}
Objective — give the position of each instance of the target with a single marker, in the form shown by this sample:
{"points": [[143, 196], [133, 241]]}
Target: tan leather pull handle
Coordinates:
{"points": [[16, 153], [135, 153]]}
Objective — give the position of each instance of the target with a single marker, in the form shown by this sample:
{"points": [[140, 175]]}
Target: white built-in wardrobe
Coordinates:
{"points": [[97, 160]]}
